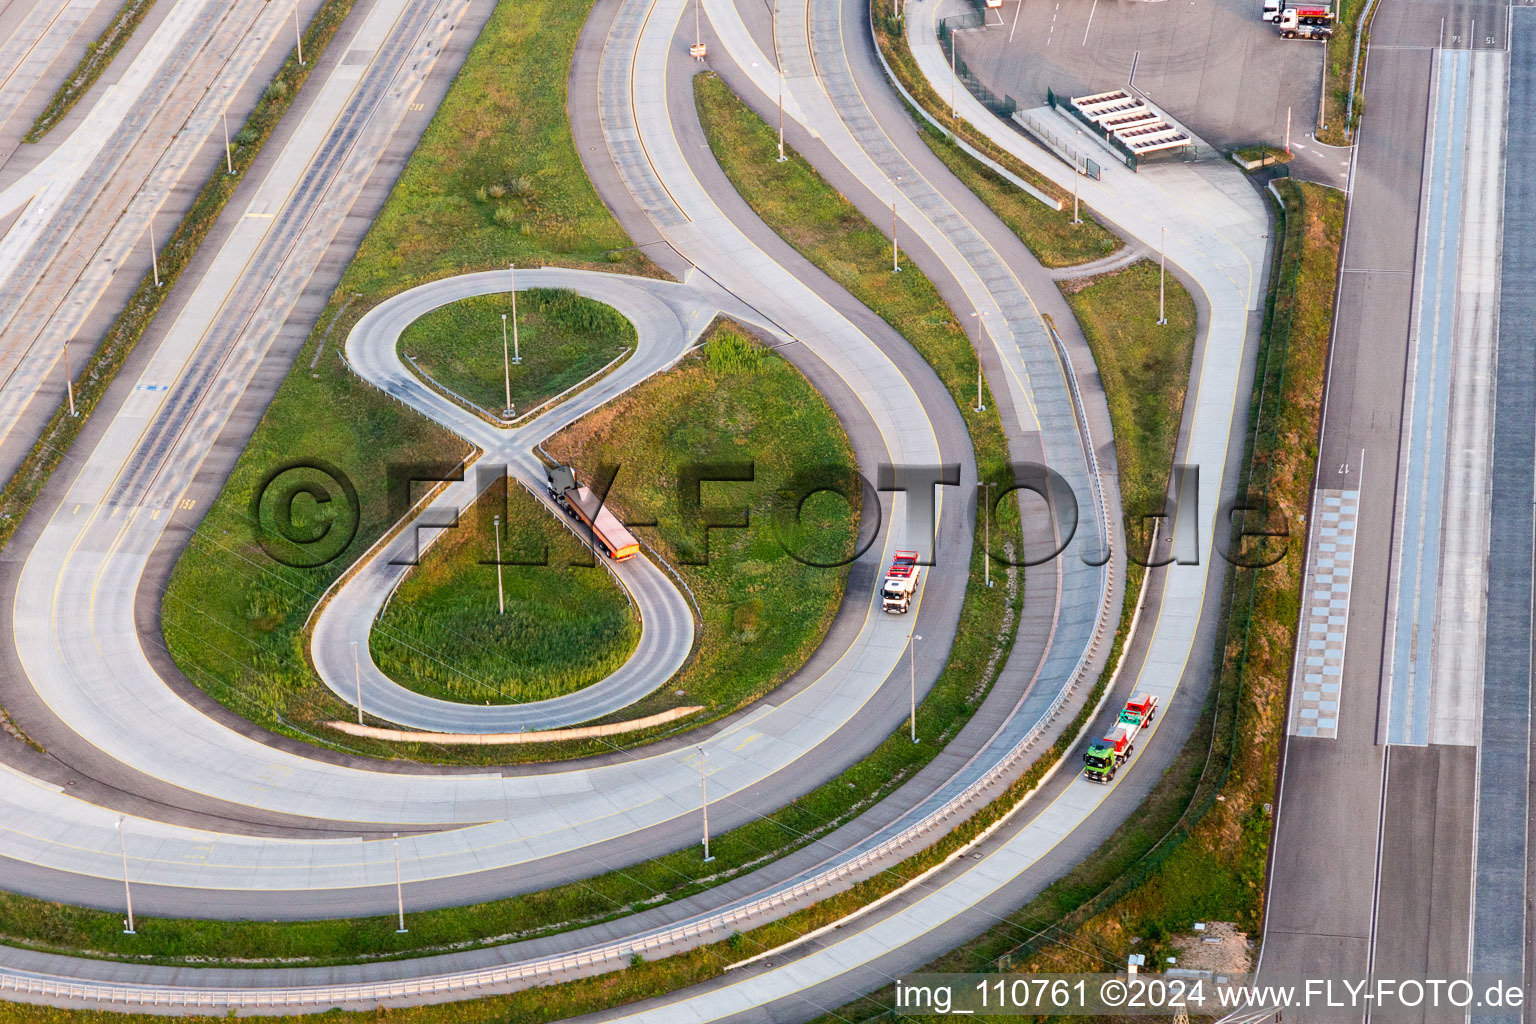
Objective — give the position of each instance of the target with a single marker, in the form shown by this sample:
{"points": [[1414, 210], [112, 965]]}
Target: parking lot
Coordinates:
{"points": [[1212, 64]]}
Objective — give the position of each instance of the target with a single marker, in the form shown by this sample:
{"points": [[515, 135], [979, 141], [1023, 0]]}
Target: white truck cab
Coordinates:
{"points": [[900, 583], [1271, 10]]}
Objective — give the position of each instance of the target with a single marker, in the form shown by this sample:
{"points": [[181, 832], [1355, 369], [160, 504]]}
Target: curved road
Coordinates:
{"points": [[92, 564]]}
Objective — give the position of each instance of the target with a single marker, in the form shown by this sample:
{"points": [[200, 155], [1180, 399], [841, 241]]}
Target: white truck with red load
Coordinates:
{"points": [[1307, 20], [900, 583]]}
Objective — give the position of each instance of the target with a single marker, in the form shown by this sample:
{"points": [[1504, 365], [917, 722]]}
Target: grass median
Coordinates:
{"points": [[233, 616], [99, 53], [1144, 367], [566, 624], [1048, 233], [561, 339]]}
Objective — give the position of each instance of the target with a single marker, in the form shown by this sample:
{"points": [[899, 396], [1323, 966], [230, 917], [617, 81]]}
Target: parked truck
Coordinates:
{"points": [[1307, 21], [1103, 759], [900, 584], [1271, 10], [582, 505]]}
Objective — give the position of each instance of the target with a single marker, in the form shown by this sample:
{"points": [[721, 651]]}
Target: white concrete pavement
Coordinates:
{"points": [[75, 628], [648, 145]]}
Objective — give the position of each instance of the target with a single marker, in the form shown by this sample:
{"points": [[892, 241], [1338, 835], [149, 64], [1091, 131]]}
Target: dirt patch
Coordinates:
{"points": [[1228, 954]]}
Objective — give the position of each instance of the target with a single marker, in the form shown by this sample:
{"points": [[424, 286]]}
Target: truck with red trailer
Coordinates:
{"points": [[1103, 758], [582, 505], [900, 584], [1307, 20], [1139, 710]]}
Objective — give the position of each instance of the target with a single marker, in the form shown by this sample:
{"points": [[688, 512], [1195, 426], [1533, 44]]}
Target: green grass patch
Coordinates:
{"points": [[1339, 57], [567, 622], [562, 337], [98, 57], [1144, 367], [232, 615], [1253, 158], [734, 403]]}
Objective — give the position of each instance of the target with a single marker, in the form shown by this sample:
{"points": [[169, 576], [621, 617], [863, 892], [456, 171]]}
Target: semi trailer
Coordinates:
{"points": [[1103, 758], [582, 505], [900, 584]]}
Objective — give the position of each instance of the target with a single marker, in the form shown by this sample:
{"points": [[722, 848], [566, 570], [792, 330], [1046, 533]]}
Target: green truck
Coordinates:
{"points": [[1103, 758]]}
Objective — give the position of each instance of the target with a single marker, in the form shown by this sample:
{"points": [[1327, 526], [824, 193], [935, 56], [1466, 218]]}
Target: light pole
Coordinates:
{"points": [[954, 79], [506, 369], [895, 249], [357, 677], [1076, 173], [986, 530], [704, 799], [517, 356], [229, 156], [697, 49], [501, 595], [122, 846], [399, 891], [980, 405], [1162, 272], [912, 676], [297, 35], [154, 258], [782, 157], [1287, 132], [778, 67], [69, 382]]}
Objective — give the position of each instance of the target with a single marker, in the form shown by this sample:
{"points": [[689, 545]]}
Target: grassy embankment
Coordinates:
{"points": [[232, 616], [98, 57], [563, 338], [1186, 855], [565, 626], [1145, 369]]}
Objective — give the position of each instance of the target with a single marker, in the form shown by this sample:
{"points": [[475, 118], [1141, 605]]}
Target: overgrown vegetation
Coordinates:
{"points": [[747, 414], [1144, 367], [567, 622], [562, 339], [232, 615], [1196, 849], [98, 57]]}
